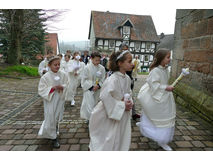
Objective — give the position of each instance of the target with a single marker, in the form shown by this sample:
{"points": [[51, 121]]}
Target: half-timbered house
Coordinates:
{"points": [[108, 30]]}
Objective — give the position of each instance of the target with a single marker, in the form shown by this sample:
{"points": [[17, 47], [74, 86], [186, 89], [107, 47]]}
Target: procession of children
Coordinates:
{"points": [[107, 104]]}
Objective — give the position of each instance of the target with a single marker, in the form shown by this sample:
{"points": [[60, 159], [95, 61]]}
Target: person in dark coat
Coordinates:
{"points": [[85, 57]]}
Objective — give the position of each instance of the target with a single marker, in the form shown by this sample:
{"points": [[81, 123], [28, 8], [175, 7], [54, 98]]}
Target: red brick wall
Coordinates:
{"points": [[52, 41]]}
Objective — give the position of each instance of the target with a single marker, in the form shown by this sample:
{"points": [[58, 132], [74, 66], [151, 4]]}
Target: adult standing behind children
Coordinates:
{"points": [[110, 121], [52, 88], [92, 79], [136, 63], [85, 57], [158, 105]]}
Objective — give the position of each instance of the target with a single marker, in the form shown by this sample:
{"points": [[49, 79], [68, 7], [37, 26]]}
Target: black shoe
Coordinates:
{"points": [[56, 143], [136, 116]]}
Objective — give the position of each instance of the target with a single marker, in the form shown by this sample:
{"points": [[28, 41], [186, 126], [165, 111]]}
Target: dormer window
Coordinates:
{"points": [[125, 29], [126, 32]]}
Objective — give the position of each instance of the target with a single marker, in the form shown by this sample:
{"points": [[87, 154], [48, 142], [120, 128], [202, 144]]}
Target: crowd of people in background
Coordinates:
{"points": [[108, 105]]}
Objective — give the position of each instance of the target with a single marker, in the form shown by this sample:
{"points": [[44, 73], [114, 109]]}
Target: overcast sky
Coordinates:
{"points": [[74, 25]]}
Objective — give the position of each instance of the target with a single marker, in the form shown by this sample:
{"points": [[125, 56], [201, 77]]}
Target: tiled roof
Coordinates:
{"points": [[106, 25]]}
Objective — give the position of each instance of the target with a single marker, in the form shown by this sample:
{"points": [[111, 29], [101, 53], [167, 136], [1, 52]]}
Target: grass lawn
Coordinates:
{"points": [[18, 71], [143, 73]]}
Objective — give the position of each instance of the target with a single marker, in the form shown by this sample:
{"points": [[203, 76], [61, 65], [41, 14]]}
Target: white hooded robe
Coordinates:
{"points": [[109, 125], [90, 98], [158, 107], [53, 102]]}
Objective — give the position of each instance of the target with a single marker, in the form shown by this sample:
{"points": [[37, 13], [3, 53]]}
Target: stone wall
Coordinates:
{"points": [[193, 48]]}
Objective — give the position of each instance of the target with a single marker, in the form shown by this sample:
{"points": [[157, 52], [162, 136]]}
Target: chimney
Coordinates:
{"points": [[162, 35]]}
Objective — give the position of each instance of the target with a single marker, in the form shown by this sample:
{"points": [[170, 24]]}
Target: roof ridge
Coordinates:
{"points": [[121, 13]]}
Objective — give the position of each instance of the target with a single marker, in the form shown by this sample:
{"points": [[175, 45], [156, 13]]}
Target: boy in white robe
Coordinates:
{"points": [[65, 64], [92, 79], [158, 105], [52, 88], [75, 68], [82, 64], [43, 66], [110, 121], [62, 62]]}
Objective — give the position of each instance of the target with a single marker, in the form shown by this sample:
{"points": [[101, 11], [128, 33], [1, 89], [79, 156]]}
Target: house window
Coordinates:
{"points": [[137, 46], [143, 45], [148, 45], [151, 57], [126, 42], [126, 30], [100, 42], [118, 43], [111, 43], [116, 49], [142, 50], [146, 58], [142, 57], [153, 45], [106, 43], [131, 44]]}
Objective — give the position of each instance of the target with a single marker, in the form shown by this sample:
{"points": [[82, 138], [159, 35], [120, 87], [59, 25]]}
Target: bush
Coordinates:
{"points": [[26, 70]]}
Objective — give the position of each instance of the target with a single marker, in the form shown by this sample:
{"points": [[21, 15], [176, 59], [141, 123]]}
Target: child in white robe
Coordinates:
{"points": [[158, 105], [64, 66], [110, 121], [75, 68], [81, 71], [43, 65], [92, 79], [52, 88], [62, 61]]}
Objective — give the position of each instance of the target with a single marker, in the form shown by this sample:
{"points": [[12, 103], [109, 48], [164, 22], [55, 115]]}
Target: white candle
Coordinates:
{"points": [[185, 71]]}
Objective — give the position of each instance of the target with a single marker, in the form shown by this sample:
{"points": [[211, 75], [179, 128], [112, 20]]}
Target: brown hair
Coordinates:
{"points": [[67, 55], [95, 54], [74, 54], [60, 55], [68, 51], [160, 54], [113, 62]]}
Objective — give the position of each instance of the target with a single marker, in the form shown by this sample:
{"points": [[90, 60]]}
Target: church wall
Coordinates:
{"points": [[193, 48]]}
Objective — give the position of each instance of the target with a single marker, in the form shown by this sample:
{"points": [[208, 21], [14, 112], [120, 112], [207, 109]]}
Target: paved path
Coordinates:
{"points": [[21, 114]]}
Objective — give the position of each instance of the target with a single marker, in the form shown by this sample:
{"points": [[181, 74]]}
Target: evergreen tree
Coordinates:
{"points": [[33, 33], [22, 34]]}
